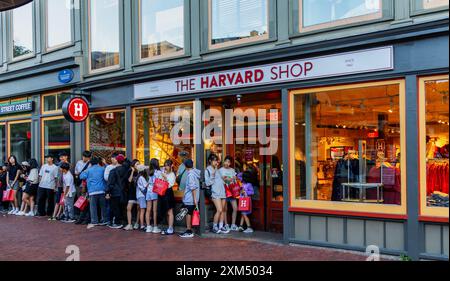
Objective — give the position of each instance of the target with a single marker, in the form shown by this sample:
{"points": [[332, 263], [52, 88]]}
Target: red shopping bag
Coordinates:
{"points": [[82, 203], [160, 187], [245, 204], [62, 199], [196, 218], [8, 195], [228, 192], [233, 190]]}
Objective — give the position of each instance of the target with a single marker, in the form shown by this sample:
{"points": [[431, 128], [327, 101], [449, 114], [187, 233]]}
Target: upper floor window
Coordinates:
{"points": [[22, 30], [53, 102], [58, 23], [161, 28], [237, 21], [430, 4], [322, 14], [104, 42]]}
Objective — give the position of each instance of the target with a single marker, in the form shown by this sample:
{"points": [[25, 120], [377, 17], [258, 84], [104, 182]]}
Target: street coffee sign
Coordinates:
{"points": [[363, 61], [23, 107], [75, 110]]}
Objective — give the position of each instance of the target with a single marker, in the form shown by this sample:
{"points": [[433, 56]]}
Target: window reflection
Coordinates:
{"points": [[22, 30], [56, 137], [58, 23], [233, 20], [104, 33], [20, 140], [162, 27]]}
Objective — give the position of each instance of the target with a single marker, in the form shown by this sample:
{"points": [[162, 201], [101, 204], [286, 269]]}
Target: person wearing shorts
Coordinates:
{"points": [[12, 179], [191, 196], [152, 198], [131, 195], [141, 190], [168, 200]]}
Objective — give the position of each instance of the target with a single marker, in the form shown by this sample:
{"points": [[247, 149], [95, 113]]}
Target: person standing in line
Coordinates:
{"points": [[218, 195], [59, 209], [168, 200], [69, 193], [83, 217], [131, 196], [47, 184], [22, 187], [12, 181], [191, 195], [3, 187], [181, 173], [246, 191], [115, 190], [96, 187], [142, 185], [152, 198], [32, 187], [108, 170], [228, 175]]}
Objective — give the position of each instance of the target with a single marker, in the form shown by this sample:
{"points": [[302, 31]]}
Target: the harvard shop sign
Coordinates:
{"points": [[371, 60]]}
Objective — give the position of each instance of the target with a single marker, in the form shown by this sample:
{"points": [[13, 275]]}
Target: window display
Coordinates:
{"points": [[324, 14], [347, 145], [154, 126], [56, 137], [20, 140], [437, 142], [106, 133], [233, 20]]}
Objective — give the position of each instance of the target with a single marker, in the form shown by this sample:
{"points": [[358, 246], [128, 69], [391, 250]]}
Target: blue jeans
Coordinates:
{"points": [[94, 202]]}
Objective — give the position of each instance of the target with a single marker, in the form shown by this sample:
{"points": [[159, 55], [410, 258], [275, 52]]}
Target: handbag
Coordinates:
{"points": [[233, 190], [196, 218], [62, 200], [160, 187], [8, 195], [245, 204], [208, 189], [81, 203]]}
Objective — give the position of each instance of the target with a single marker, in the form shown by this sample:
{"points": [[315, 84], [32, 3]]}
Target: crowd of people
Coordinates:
{"points": [[122, 195]]}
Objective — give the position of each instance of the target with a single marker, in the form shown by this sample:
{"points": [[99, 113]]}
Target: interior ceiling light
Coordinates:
{"points": [[11, 4], [391, 109]]}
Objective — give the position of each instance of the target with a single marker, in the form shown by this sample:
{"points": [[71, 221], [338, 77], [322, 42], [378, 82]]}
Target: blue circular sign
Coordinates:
{"points": [[65, 76]]}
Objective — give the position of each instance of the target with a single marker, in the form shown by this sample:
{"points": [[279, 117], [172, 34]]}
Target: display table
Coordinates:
{"points": [[363, 187]]}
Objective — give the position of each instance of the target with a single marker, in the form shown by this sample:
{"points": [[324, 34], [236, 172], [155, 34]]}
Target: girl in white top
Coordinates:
{"points": [[152, 198], [32, 186], [228, 176], [168, 200]]}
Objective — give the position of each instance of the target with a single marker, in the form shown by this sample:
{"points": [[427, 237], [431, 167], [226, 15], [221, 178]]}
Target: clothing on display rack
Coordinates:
{"points": [[437, 176]]}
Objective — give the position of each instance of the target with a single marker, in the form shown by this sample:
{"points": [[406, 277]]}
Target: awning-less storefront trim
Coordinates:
{"points": [[371, 60]]}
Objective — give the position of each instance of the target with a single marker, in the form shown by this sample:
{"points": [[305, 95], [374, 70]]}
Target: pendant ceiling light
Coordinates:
{"points": [[11, 4]]}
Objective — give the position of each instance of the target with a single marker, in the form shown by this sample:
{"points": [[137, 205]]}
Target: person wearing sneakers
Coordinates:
{"points": [[228, 175], [168, 200], [31, 186], [141, 191], [59, 208], [152, 198], [47, 184], [96, 187], [246, 191], [132, 200], [12, 181], [23, 186], [115, 190], [69, 193], [191, 196]]}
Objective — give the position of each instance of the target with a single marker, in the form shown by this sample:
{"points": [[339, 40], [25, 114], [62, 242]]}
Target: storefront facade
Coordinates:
{"points": [[359, 121]]}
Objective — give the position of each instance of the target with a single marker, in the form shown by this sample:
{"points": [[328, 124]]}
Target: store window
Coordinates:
{"points": [[104, 36], [59, 23], [22, 30], [162, 28], [20, 140], [106, 133], [348, 147], [237, 21], [316, 15], [155, 128], [435, 145], [430, 4], [56, 137], [53, 102], [2, 143]]}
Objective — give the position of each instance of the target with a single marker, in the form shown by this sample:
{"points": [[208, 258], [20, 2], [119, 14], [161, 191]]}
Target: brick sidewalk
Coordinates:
{"points": [[36, 239]]}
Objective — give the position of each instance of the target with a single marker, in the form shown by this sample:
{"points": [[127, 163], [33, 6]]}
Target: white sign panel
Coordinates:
{"points": [[371, 60]]}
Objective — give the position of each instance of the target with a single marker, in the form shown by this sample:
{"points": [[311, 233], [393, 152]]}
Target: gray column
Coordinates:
{"points": [[36, 130], [288, 218], [412, 154], [129, 131], [195, 30], [283, 22], [200, 156]]}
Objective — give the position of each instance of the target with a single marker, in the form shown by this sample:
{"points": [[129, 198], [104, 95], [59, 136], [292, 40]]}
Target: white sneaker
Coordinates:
{"points": [[11, 212], [136, 226], [249, 230], [15, 212], [156, 230], [20, 213], [90, 226], [234, 228], [128, 227], [149, 229], [30, 214]]}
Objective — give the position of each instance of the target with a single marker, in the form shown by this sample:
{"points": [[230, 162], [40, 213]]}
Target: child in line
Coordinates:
{"points": [[191, 196], [229, 176], [141, 192], [152, 199], [247, 191], [69, 193]]}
